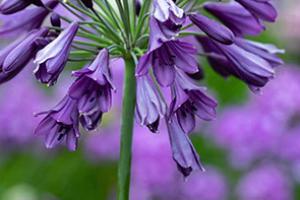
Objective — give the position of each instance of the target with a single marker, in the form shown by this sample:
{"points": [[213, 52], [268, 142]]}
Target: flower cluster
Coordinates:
{"points": [[92, 32]]}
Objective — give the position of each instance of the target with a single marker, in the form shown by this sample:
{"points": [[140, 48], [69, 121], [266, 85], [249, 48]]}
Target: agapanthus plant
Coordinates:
{"points": [[151, 37]]}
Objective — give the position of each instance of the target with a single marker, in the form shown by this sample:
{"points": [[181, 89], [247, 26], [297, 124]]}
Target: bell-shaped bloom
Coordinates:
{"points": [[249, 61], [13, 6], [25, 20], [61, 125], [93, 90], [166, 58], [184, 153], [262, 9], [213, 29], [235, 17], [150, 106], [17, 55], [51, 60], [249, 67], [190, 100]]}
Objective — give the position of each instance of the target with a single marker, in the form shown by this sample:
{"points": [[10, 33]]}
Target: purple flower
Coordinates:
{"points": [[265, 51], [184, 153], [25, 20], [247, 66], [61, 125], [16, 56], [265, 182], [150, 106], [248, 133], [210, 185], [262, 9], [213, 29], [165, 10], [165, 59], [13, 6], [52, 59], [188, 100], [235, 17], [93, 90]]}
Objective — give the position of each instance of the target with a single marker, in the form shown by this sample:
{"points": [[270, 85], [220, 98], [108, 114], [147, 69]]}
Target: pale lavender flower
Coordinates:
{"points": [[51, 60], [265, 182], [210, 185], [150, 106], [17, 122], [247, 133]]}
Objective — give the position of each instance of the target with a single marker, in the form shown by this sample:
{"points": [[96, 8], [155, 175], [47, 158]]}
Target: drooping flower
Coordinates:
{"points": [[253, 66], [13, 6], [262, 9], [265, 51], [188, 100], [61, 125], [93, 90], [16, 56], [184, 153], [25, 20], [165, 60], [150, 106], [51, 60], [235, 17]]}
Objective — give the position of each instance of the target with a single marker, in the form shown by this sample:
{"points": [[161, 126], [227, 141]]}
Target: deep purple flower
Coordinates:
{"points": [[262, 9], [150, 106], [184, 153], [25, 20], [16, 56], [216, 58], [235, 17], [138, 7], [265, 51], [188, 100], [213, 29], [165, 60], [93, 90], [249, 66], [13, 6], [52, 59], [61, 125]]}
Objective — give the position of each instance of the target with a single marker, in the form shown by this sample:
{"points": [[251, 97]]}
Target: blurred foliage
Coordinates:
{"points": [[67, 176]]}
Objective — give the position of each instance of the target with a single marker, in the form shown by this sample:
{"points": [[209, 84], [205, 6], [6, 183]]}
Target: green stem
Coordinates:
{"points": [[129, 101]]}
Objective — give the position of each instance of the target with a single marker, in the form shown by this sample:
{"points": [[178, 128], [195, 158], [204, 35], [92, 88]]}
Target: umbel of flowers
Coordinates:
{"points": [[151, 37]]}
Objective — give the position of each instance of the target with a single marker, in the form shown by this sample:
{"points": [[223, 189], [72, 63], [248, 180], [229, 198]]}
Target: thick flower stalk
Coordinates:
{"points": [[161, 63]]}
